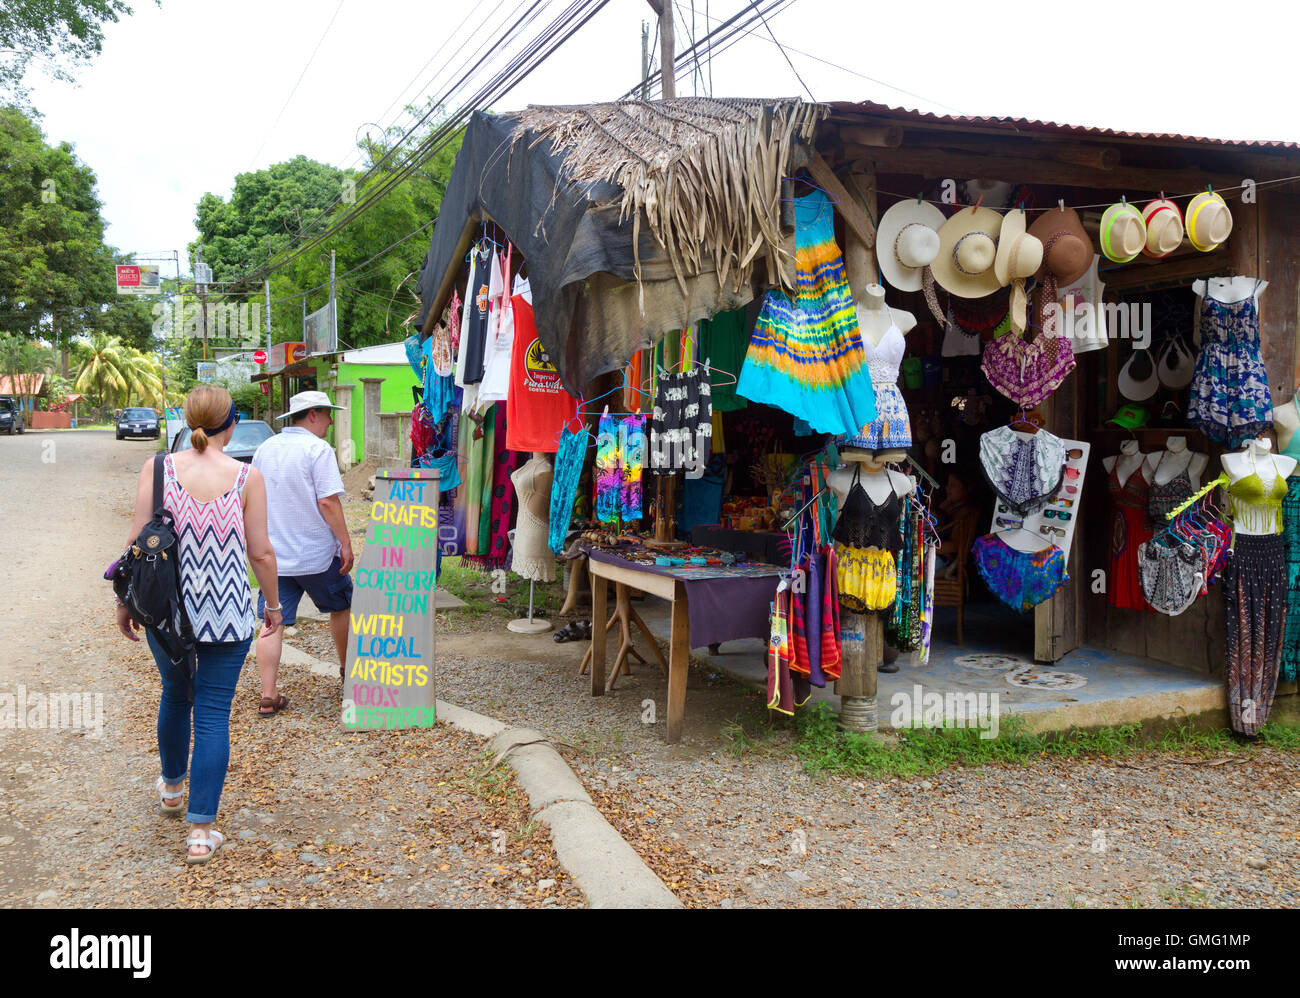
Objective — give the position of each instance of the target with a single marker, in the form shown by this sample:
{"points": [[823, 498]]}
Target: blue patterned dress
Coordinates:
{"points": [[1230, 401]]}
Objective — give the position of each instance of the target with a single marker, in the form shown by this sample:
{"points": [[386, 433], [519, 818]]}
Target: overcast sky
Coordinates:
{"points": [[186, 96]]}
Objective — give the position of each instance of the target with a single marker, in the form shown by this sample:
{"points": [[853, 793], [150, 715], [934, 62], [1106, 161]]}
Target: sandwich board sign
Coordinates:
{"points": [[390, 679]]}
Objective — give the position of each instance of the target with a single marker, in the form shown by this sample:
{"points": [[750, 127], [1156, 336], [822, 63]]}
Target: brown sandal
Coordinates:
{"points": [[280, 703]]}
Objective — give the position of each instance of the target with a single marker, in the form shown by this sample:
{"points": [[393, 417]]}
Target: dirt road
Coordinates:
{"points": [[312, 815]]}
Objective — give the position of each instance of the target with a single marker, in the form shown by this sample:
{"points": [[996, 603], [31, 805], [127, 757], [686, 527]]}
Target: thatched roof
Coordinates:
{"points": [[706, 172]]}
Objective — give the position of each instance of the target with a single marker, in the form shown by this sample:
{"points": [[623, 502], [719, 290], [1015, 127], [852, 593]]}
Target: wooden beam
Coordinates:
{"points": [[860, 257], [873, 136], [1080, 153], [960, 164], [854, 216]]}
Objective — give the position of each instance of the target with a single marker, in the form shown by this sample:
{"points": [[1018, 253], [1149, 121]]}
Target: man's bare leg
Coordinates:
{"points": [[339, 631]]}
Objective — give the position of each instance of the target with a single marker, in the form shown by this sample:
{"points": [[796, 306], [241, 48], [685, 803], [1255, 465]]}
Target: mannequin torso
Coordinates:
{"points": [[1229, 289], [1166, 465], [876, 479], [1286, 420], [875, 318], [1129, 459], [1256, 459]]}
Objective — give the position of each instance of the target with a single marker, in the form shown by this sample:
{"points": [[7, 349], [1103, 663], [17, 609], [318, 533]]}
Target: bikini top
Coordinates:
{"points": [[1257, 507], [1163, 499], [1024, 472], [886, 357], [1134, 491], [863, 524]]}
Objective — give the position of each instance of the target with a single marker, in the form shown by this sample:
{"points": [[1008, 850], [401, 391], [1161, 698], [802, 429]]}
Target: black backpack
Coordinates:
{"points": [[147, 578]]}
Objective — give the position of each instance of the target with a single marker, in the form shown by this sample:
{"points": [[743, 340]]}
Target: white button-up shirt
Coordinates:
{"points": [[299, 468]]}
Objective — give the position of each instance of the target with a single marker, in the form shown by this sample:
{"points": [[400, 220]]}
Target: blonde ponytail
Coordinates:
{"points": [[206, 406]]}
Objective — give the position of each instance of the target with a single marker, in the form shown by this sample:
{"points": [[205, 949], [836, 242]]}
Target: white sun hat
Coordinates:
{"points": [[907, 242]]}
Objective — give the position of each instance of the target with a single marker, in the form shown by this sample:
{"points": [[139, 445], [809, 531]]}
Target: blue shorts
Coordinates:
{"points": [[329, 590]]}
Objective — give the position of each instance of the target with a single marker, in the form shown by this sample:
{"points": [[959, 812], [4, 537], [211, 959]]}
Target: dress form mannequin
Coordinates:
{"points": [[875, 478], [1129, 459], [1166, 465], [874, 318], [1257, 458], [531, 558], [1286, 420]]}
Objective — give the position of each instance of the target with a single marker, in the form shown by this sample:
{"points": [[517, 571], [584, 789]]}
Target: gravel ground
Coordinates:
{"points": [[313, 815]]}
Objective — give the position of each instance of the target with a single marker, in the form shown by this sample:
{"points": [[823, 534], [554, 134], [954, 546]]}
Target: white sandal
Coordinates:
{"points": [[165, 795], [212, 840]]}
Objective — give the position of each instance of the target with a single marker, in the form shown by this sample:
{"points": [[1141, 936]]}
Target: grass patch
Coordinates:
{"points": [[824, 749], [480, 589]]}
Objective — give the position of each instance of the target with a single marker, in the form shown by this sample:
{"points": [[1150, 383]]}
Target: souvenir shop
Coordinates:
{"points": [[862, 383]]}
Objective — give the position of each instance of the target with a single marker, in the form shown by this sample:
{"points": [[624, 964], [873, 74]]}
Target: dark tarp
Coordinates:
{"points": [[591, 314]]}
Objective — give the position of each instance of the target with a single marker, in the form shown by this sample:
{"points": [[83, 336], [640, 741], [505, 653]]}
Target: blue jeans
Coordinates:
{"points": [[214, 691]]}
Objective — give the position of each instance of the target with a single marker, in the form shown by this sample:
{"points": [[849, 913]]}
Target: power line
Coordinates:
{"points": [[310, 60], [787, 60]]}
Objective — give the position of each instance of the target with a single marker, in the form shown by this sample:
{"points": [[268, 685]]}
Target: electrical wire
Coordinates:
{"points": [[310, 60], [787, 60]]}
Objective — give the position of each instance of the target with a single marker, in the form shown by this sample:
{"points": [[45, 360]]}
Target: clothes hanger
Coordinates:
{"points": [[1023, 421], [802, 178]]}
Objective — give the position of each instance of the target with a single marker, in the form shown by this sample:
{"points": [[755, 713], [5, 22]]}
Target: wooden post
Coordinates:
{"points": [[862, 642], [679, 662], [599, 592], [859, 254]]}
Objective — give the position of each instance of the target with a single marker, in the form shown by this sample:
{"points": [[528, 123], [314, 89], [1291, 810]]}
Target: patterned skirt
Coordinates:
{"points": [[1255, 602], [867, 578], [806, 353], [1020, 579]]}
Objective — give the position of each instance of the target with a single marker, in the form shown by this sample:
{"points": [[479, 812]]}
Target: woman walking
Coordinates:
{"points": [[218, 505]]}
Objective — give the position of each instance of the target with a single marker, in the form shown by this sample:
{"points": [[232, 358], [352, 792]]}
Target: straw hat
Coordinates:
{"points": [[1164, 228], [1209, 222], [968, 247], [1067, 250], [1019, 254], [908, 242], [1123, 233]]}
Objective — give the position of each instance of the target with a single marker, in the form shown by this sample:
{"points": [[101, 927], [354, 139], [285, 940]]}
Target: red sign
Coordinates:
{"points": [[259, 356], [266, 388], [128, 276]]}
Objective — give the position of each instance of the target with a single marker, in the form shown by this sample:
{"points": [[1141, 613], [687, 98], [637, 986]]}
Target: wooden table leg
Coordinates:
{"points": [[598, 622], [654, 645], [679, 660], [586, 657]]}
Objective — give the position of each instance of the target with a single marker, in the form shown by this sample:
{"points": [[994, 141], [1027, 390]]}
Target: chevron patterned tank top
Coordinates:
{"points": [[214, 580]]}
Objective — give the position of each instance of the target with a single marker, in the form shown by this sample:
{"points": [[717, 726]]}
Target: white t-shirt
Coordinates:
{"points": [[299, 468], [1084, 296]]}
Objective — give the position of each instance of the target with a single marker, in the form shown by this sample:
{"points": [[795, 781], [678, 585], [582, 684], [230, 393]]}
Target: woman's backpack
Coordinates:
{"points": [[147, 579]]}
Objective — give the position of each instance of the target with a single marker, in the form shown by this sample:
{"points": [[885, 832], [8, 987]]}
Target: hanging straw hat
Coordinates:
{"points": [[1164, 228], [968, 246], [1067, 250], [1019, 256], [908, 241], [1123, 233], [1209, 222]]}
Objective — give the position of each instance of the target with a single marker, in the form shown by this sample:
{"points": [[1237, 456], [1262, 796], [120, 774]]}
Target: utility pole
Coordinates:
{"points": [[645, 60], [668, 84], [203, 274], [333, 312]]}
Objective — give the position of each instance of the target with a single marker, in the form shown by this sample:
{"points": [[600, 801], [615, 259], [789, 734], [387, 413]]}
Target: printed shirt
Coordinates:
{"points": [[299, 468]]}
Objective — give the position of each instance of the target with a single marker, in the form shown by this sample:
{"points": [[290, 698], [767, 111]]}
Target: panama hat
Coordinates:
{"points": [[308, 400], [1067, 250], [1209, 222], [1164, 228], [968, 247], [1019, 256], [1123, 233], [908, 240]]}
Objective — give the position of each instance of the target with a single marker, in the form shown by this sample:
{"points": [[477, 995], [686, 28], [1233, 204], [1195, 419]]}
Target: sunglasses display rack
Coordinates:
{"points": [[1055, 523]]}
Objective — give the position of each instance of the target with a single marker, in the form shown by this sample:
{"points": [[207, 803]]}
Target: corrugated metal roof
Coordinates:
{"points": [[1032, 125]]}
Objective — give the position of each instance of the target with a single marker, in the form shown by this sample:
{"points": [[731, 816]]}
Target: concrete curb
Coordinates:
{"points": [[602, 864]]}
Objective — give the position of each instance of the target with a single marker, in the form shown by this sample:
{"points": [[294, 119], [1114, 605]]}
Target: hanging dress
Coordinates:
{"points": [[806, 355], [891, 429], [1164, 499], [1230, 401], [1129, 529]]}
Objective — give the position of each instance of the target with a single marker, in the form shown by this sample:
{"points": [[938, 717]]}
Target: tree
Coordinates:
{"points": [[25, 363], [102, 370], [47, 31]]}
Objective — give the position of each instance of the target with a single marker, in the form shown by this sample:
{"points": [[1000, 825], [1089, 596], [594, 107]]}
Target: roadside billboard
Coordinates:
{"points": [[138, 279]]}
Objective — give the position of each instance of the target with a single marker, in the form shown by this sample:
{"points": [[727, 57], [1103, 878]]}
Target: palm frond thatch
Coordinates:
{"points": [[705, 171]]}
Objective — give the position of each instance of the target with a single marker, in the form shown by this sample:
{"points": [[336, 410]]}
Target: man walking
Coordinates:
{"points": [[304, 518]]}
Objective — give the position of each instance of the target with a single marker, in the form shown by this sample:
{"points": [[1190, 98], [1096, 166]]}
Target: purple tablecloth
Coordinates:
{"points": [[720, 609]]}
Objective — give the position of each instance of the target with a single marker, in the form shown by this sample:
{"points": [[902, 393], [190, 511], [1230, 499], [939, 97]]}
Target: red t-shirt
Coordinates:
{"points": [[538, 404]]}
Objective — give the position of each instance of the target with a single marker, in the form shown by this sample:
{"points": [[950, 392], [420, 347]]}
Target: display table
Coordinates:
{"points": [[709, 606], [770, 546]]}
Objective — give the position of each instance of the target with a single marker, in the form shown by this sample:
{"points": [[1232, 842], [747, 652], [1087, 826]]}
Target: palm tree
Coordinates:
{"points": [[103, 368], [143, 373]]}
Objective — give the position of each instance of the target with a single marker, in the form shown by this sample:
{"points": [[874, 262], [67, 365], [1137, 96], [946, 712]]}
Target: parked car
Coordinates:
{"points": [[11, 415], [248, 436], [137, 423]]}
